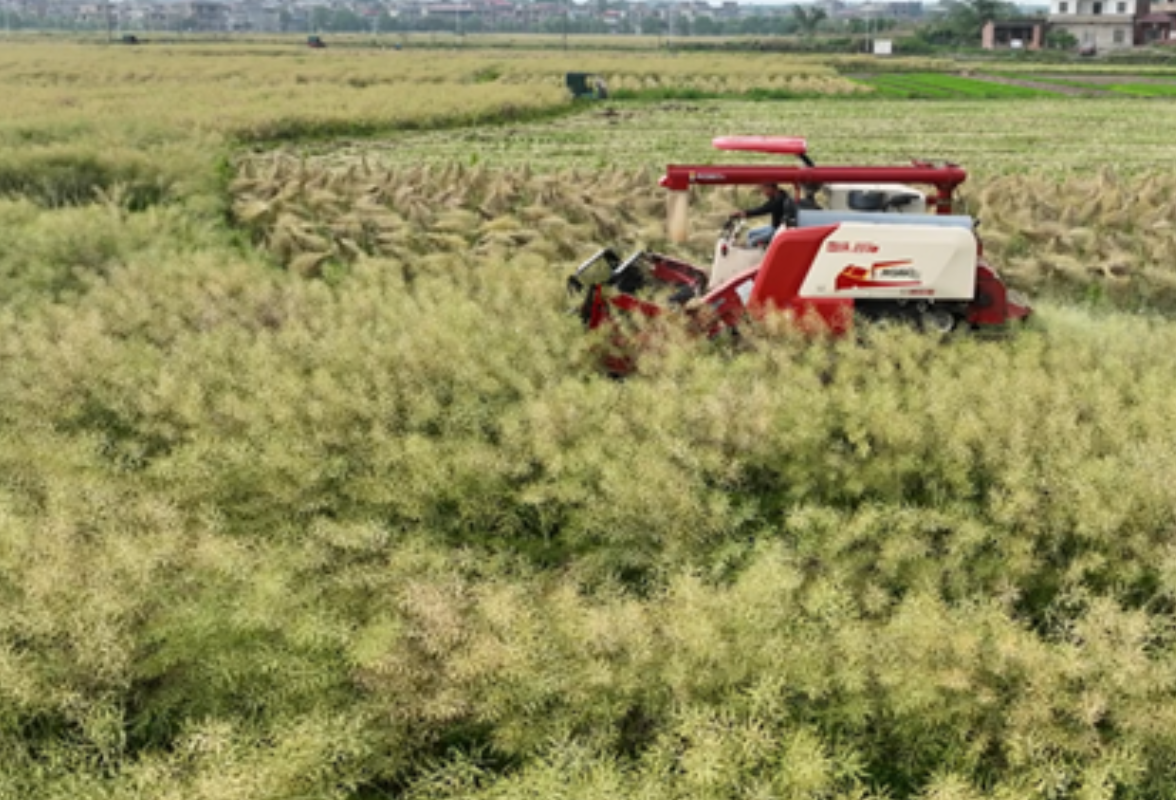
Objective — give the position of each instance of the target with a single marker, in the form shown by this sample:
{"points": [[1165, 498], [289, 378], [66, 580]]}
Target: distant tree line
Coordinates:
{"points": [[960, 26], [801, 22]]}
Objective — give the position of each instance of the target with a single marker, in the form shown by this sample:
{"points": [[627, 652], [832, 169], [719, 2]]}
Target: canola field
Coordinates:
{"points": [[310, 485]]}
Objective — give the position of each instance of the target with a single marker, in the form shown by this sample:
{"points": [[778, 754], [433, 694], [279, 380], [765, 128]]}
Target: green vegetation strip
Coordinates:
{"points": [[939, 86], [1145, 89], [1157, 86]]}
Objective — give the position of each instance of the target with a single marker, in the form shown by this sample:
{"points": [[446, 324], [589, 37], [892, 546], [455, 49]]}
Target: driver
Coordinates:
{"points": [[779, 204]]}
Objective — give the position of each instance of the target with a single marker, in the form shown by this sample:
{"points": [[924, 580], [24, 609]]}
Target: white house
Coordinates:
{"points": [[1098, 24]]}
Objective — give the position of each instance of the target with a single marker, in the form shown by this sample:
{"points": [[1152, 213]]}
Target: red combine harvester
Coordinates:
{"points": [[863, 244]]}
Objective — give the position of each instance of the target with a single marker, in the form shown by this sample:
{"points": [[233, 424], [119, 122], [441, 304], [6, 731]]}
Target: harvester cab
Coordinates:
{"points": [[734, 254], [878, 249]]}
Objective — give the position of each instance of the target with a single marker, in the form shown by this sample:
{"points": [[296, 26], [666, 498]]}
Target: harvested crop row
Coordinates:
{"points": [[1104, 234], [307, 216], [1101, 234]]}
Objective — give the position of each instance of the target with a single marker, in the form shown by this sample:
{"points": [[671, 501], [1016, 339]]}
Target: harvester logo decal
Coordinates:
{"points": [[707, 177], [879, 275]]}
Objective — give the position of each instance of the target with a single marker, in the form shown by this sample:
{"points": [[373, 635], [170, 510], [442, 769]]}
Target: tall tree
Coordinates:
{"points": [[808, 18], [967, 18]]}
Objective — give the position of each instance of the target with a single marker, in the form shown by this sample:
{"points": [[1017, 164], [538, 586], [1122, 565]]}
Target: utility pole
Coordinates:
{"points": [[565, 24]]}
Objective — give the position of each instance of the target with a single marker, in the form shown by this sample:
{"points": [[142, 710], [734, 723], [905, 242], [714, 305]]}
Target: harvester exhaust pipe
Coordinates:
{"points": [[677, 216]]}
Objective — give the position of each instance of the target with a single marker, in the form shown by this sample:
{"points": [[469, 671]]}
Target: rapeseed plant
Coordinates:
{"points": [[387, 532]]}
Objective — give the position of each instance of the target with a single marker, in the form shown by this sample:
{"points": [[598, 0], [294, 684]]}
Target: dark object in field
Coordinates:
{"points": [[586, 86]]}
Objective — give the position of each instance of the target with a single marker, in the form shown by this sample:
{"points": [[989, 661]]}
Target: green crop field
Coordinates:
{"points": [[311, 486], [1099, 83], [918, 85], [1145, 89]]}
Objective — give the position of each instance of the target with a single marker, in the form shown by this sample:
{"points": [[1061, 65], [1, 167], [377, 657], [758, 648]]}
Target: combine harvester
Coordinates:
{"points": [[878, 249]]}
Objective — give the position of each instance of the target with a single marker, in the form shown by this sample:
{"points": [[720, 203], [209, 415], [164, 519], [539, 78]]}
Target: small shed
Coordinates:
{"points": [[1013, 34]]}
